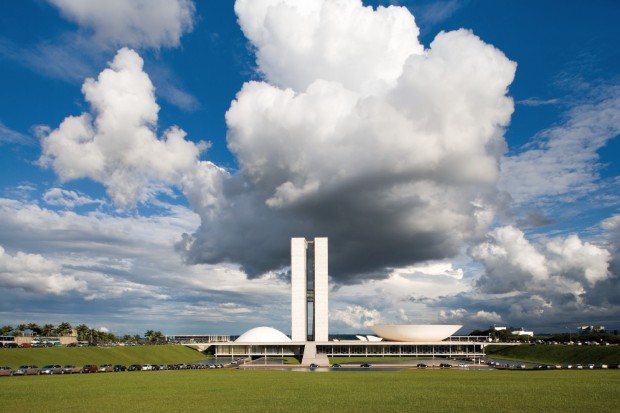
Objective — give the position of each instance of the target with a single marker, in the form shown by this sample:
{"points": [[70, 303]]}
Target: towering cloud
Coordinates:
{"points": [[360, 134], [356, 132], [116, 144]]}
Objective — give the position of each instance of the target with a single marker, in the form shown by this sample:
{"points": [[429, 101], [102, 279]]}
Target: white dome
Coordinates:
{"points": [[415, 332], [263, 335]]}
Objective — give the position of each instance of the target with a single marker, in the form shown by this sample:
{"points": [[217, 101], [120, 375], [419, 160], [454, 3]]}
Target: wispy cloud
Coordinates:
{"points": [[9, 137], [68, 199], [564, 158], [537, 102]]}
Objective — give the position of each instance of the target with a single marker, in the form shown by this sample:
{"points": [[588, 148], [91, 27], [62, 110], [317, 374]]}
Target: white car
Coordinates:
{"points": [[51, 369]]}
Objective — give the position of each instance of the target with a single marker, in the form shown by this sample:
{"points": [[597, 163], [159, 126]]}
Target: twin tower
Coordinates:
{"points": [[309, 289]]}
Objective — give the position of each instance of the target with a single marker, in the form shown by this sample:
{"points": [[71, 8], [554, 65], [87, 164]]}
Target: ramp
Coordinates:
{"points": [[310, 356]]}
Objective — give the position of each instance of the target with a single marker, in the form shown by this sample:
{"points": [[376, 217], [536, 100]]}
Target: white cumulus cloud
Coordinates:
{"points": [[358, 133], [356, 316], [136, 23], [34, 273], [117, 144], [556, 266]]}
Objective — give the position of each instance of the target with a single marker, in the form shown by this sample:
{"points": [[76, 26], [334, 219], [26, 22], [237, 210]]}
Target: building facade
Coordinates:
{"points": [[309, 289]]}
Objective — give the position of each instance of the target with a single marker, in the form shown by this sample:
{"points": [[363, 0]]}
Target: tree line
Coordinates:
{"points": [[84, 333]]}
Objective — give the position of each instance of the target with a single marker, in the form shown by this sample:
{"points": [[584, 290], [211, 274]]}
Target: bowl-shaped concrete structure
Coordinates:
{"points": [[415, 332]]}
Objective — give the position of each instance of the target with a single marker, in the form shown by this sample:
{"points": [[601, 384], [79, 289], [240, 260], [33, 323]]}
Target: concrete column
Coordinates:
{"points": [[321, 292], [299, 305]]}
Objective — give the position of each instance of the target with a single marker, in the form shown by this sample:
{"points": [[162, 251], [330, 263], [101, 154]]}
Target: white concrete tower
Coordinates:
{"points": [[299, 285], [302, 252]]}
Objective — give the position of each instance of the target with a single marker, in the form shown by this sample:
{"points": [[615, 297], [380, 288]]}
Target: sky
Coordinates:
{"points": [[461, 156]]}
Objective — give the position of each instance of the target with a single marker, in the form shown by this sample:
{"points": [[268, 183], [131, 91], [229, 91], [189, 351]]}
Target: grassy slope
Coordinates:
{"points": [[99, 355], [557, 354], [229, 390]]}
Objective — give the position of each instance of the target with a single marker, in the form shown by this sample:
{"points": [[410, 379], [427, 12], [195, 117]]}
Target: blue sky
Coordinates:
{"points": [[461, 157]]}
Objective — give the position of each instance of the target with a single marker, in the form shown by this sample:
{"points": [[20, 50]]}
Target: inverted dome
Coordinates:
{"points": [[415, 332], [262, 335]]}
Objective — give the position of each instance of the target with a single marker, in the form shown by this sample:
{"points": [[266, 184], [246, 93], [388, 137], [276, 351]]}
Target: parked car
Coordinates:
{"points": [[119, 367], [51, 369], [147, 367], [365, 365], [445, 365], [90, 368], [105, 368], [134, 367], [26, 370], [421, 366], [6, 371], [70, 369]]}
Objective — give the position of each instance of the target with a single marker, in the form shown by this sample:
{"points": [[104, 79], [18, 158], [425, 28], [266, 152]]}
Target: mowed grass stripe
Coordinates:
{"points": [[557, 354], [229, 390], [79, 356]]}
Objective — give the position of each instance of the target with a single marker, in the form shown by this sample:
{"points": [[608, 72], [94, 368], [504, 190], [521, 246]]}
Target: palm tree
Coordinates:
{"points": [[154, 336], [47, 330], [34, 327], [21, 328], [83, 332], [64, 329]]}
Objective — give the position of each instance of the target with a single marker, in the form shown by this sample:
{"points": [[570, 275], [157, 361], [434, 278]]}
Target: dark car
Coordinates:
{"points": [[365, 365], [119, 367], [90, 368], [421, 366], [313, 366], [336, 366], [51, 369], [134, 367], [445, 365]]}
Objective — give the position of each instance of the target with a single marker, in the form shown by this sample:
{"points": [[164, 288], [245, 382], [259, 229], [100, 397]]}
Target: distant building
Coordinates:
{"points": [[31, 340], [522, 332], [591, 329]]}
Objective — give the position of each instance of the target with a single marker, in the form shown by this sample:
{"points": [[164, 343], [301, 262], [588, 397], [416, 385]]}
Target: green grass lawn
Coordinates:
{"points": [[557, 354], [378, 360], [230, 390], [79, 356]]}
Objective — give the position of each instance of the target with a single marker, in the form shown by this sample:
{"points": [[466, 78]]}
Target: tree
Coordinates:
{"points": [[47, 330], [64, 329], [6, 330], [34, 327], [154, 336], [21, 328], [83, 332]]}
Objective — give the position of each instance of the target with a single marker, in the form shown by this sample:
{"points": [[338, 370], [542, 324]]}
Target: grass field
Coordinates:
{"points": [[557, 354], [229, 390], [79, 356]]}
